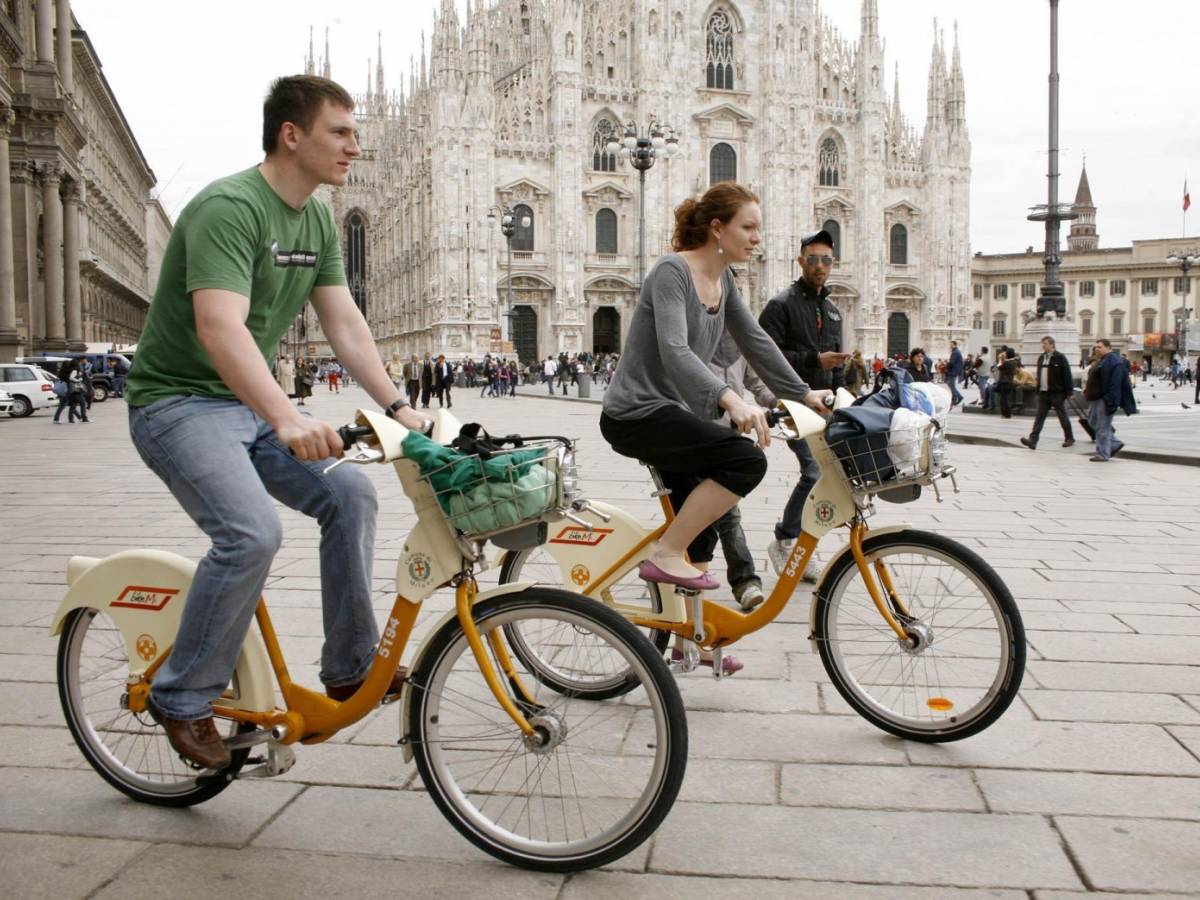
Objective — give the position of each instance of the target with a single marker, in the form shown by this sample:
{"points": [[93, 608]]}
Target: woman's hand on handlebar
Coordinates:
{"points": [[413, 420], [747, 417], [819, 401]]}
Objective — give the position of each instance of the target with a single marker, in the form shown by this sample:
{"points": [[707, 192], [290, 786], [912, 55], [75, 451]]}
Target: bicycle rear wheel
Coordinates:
{"points": [[964, 658], [540, 567], [597, 778], [129, 750]]}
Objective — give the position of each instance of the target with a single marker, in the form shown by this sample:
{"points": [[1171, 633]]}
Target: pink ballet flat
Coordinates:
{"points": [[648, 571], [729, 664]]}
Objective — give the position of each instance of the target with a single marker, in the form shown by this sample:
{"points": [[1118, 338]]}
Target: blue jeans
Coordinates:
{"points": [[788, 528], [1106, 438], [955, 396], [224, 464], [738, 558]]}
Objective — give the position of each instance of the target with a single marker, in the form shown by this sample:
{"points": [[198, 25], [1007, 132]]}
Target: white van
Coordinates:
{"points": [[31, 388]]}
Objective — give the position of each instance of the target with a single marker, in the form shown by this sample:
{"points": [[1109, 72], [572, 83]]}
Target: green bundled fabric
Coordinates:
{"points": [[480, 495]]}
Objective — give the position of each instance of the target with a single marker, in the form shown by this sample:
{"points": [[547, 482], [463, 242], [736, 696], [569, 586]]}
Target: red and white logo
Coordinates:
{"points": [[581, 536], [151, 599]]}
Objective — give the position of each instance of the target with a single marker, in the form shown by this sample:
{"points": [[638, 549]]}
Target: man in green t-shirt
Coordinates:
{"points": [[209, 419]]}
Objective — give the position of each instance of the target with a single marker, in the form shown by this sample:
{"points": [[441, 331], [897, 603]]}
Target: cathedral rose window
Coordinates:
{"points": [[718, 69]]}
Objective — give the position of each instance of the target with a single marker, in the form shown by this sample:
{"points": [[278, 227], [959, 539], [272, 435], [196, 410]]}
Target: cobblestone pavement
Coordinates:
{"points": [[1091, 782]]}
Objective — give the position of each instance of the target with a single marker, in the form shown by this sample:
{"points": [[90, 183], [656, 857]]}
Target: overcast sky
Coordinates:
{"points": [[190, 78]]}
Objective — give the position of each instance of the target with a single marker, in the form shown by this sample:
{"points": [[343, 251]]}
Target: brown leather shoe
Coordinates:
{"points": [[196, 740], [343, 692]]}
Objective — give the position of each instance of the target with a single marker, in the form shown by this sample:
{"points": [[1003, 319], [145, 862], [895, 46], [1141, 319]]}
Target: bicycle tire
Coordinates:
{"points": [[441, 683], [510, 573], [130, 736], [930, 724]]}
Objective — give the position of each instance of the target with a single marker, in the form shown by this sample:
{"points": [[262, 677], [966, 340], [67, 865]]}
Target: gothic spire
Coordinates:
{"points": [[310, 65], [379, 65], [870, 18], [957, 101], [325, 69]]}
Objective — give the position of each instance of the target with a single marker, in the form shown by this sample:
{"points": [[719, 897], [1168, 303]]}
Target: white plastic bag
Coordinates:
{"points": [[939, 395], [904, 441]]}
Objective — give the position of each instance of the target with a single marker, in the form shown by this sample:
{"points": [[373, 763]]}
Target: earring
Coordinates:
{"points": [[720, 250]]}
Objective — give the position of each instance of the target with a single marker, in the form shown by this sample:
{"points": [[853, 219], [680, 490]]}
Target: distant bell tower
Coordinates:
{"points": [[1083, 230]]}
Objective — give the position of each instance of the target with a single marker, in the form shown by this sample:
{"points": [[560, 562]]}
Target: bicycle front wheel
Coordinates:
{"points": [[594, 781], [129, 750], [962, 661]]}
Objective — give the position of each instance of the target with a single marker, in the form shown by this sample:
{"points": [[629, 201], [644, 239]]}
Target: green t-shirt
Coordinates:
{"points": [[235, 235]]}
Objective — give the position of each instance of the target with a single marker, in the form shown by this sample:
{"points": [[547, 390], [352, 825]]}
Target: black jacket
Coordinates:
{"points": [[805, 323], [1059, 379]]}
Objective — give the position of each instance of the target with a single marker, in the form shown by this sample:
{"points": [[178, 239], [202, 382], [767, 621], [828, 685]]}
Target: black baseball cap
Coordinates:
{"points": [[817, 237]]}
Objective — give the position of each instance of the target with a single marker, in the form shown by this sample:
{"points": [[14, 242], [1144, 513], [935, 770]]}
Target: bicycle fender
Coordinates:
{"points": [[144, 592], [844, 551], [423, 647]]}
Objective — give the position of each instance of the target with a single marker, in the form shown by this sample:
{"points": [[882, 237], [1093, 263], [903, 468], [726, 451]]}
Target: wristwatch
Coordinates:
{"points": [[396, 406]]}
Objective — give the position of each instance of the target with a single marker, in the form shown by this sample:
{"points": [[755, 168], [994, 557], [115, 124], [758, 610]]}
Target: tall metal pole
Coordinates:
{"points": [[507, 316], [1052, 299], [641, 227]]}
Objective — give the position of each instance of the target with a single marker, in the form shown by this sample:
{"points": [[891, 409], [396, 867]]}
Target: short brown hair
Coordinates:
{"points": [[720, 202], [297, 99]]}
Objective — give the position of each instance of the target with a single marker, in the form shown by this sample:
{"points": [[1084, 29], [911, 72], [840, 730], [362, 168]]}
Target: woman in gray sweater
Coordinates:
{"points": [[663, 400]]}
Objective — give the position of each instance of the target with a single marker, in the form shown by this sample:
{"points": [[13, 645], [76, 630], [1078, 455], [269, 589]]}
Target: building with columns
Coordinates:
{"points": [[1132, 296], [515, 105], [78, 226]]}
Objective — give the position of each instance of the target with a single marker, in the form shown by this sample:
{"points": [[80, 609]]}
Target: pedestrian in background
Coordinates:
{"points": [[917, 365], [1006, 371], [306, 377], [1054, 386], [1112, 391], [285, 375], [954, 372], [426, 380]]}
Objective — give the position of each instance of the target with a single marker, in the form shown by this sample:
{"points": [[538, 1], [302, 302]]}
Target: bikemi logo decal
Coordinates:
{"points": [[420, 569], [151, 599], [581, 536]]}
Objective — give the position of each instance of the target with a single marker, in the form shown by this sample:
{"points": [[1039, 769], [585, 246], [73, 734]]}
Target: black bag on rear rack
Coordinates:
{"points": [[858, 435]]}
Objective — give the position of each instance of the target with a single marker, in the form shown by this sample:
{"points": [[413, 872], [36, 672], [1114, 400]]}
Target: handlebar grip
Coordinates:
{"points": [[350, 434], [775, 416]]}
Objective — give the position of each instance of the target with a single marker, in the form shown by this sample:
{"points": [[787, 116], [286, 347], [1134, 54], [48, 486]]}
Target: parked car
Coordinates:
{"points": [[6, 402], [102, 372], [31, 388]]}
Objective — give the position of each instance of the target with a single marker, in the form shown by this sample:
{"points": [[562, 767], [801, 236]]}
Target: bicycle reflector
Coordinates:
{"points": [[940, 704]]}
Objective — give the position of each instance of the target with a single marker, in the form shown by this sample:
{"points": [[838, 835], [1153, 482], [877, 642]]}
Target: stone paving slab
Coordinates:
{"points": [[190, 873], [606, 885], [35, 868], [1112, 853], [962, 849], [1078, 793], [80, 803], [821, 799]]}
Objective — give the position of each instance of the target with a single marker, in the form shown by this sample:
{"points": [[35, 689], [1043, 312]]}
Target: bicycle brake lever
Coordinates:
{"points": [[361, 458]]}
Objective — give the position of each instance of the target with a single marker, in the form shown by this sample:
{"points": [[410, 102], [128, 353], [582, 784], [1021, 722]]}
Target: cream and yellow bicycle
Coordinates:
{"points": [[916, 631], [540, 777]]}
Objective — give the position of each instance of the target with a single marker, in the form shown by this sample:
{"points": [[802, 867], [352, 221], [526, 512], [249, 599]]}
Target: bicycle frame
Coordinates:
{"points": [[433, 557], [830, 504]]}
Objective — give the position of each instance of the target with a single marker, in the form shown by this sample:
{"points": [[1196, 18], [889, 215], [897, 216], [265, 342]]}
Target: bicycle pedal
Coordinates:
{"points": [[718, 667]]}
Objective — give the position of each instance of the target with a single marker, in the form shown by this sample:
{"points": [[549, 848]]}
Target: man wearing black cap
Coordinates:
{"points": [[808, 329]]}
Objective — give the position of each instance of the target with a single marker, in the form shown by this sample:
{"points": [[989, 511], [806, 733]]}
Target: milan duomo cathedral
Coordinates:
{"points": [[514, 109]]}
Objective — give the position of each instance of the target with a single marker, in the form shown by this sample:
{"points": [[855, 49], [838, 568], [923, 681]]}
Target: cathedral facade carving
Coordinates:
{"points": [[514, 109]]}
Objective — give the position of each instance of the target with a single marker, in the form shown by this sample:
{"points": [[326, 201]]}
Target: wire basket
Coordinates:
{"points": [[508, 489], [883, 461]]}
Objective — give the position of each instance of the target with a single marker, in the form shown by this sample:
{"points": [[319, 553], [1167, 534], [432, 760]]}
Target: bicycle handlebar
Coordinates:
{"points": [[775, 416], [351, 434]]}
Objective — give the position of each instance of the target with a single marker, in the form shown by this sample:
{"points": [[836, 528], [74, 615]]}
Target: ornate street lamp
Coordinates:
{"points": [[1185, 259], [641, 150], [508, 227]]}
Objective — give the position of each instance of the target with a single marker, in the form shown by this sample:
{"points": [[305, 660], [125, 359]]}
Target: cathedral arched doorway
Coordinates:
{"points": [[606, 330], [897, 334], [524, 332]]}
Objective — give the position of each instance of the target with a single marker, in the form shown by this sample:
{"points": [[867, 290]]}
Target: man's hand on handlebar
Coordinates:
{"points": [[310, 439]]}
